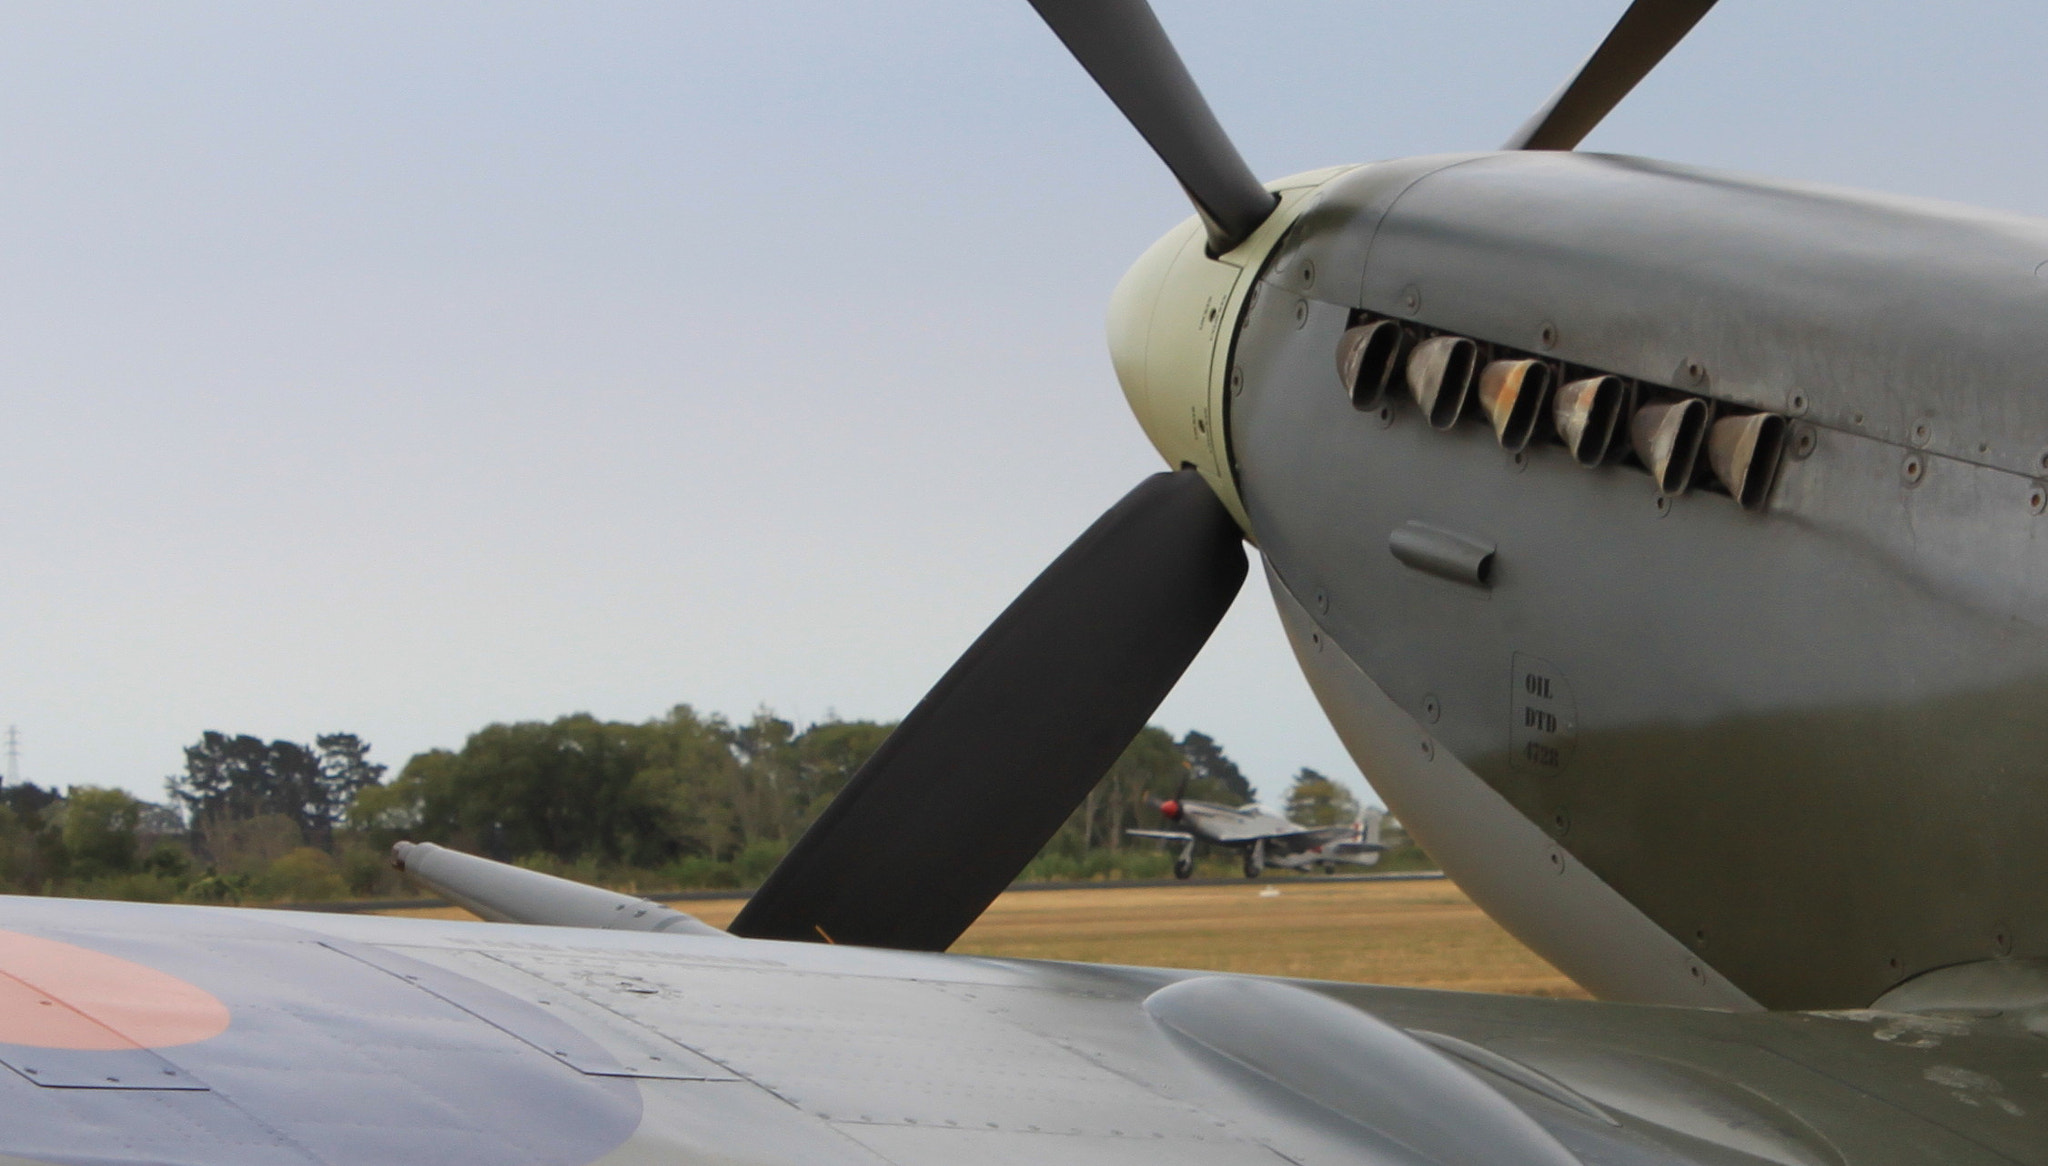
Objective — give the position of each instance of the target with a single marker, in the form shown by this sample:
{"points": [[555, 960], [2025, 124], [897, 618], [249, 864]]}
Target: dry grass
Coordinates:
{"points": [[1423, 934]]}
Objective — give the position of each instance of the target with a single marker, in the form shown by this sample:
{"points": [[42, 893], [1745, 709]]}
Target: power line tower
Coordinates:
{"points": [[13, 755]]}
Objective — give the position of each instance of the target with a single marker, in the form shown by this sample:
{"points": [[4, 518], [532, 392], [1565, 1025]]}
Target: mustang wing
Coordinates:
{"points": [[1295, 841]]}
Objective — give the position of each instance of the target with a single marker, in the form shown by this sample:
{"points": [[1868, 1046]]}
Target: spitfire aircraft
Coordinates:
{"points": [[1668, 547], [1261, 837]]}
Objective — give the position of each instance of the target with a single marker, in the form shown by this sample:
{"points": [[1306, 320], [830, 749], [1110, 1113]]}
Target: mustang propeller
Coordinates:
{"points": [[985, 769]]}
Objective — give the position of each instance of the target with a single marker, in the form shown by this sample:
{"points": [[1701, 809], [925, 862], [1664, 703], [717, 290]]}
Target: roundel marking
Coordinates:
{"points": [[56, 995]]}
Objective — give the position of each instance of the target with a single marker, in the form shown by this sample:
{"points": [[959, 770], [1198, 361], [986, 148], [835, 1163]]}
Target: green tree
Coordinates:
{"points": [[1315, 800], [303, 875], [31, 846], [234, 779], [828, 755], [99, 831], [687, 786], [1212, 770], [767, 793], [683, 786], [345, 772]]}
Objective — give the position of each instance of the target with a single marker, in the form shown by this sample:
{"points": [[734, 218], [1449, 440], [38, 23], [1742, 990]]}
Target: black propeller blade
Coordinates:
{"points": [[1645, 33], [1123, 47], [984, 770]]}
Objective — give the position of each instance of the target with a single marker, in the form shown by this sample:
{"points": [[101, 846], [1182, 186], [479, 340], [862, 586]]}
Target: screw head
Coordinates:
{"points": [[1411, 299], [1546, 336], [2037, 499], [1797, 404], [1804, 442], [1386, 416], [1914, 469], [1308, 273], [1300, 313], [1432, 708], [1236, 382], [1663, 506], [1922, 433]]}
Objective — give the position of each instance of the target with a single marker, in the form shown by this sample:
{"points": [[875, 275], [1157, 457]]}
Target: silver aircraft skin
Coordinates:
{"points": [[1261, 837], [1668, 684], [1359, 845]]}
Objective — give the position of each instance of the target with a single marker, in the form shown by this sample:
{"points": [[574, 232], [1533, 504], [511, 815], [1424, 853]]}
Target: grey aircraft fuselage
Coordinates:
{"points": [[1230, 825], [1689, 751], [1254, 832]]}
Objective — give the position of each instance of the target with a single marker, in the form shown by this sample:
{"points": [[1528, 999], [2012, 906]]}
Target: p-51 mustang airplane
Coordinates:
{"points": [[1666, 544], [1262, 837]]}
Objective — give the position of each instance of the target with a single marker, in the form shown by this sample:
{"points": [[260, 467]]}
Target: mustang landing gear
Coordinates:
{"points": [[1255, 859], [1184, 862]]}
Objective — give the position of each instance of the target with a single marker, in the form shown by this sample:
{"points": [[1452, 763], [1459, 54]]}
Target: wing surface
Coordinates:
{"points": [[1169, 835], [417, 1041]]}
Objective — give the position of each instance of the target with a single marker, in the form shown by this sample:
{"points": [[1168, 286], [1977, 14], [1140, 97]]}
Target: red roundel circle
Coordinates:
{"points": [[56, 995]]}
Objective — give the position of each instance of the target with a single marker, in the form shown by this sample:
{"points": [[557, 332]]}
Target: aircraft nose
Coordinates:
{"points": [[1170, 808]]}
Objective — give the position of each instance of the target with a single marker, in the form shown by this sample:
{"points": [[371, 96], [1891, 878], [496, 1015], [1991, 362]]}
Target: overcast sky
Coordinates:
{"points": [[403, 367]]}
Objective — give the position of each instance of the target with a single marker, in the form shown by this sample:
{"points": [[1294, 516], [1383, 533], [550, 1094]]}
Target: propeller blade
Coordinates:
{"points": [[986, 768], [1122, 45], [1645, 33]]}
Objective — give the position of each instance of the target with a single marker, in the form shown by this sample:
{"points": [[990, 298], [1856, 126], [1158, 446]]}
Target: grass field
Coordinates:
{"points": [[1423, 934]]}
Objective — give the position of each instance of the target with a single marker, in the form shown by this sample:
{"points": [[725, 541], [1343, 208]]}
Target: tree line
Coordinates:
{"points": [[681, 800]]}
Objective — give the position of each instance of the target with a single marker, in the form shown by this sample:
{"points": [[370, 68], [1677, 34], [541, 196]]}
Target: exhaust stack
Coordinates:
{"points": [[1585, 413], [1667, 437], [1367, 356], [1440, 375], [1744, 454], [1512, 393]]}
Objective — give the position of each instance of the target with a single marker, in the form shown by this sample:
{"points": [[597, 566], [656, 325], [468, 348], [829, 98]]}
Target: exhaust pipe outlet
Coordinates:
{"points": [[1367, 356], [1667, 437], [1585, 412], [1440, 376], [1512, 393], [1744, 454]]}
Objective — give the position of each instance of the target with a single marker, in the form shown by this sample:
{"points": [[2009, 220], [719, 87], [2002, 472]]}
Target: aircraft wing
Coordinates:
{"points": [[1169, 835], [1293, 841], [223, 1037]]}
